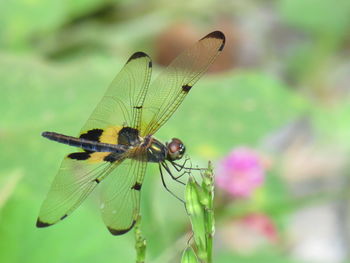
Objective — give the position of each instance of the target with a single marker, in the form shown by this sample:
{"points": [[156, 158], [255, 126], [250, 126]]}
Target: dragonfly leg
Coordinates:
{"points": [[176, 178], [165, 186], [179, 167]]}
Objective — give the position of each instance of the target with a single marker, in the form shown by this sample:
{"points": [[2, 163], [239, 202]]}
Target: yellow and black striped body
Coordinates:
{"points": [[110, 144]]}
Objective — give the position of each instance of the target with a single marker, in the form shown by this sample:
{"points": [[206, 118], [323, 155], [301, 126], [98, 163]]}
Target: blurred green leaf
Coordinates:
{"points": [[8, 185], [24, 20], [257, 257], [319, 16]]}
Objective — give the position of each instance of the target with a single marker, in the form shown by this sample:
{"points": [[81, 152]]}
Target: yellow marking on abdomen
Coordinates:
{"points": [[110, 135], [97, 157]]}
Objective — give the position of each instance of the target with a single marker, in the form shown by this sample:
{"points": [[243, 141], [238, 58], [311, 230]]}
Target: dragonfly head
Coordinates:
{"points": [[176, 149]]}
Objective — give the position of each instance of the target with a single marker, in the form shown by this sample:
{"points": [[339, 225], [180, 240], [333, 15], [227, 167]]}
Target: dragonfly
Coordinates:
{"points": [[117, 141]]}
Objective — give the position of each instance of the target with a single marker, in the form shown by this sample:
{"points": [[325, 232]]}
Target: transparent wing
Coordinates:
{"points": [[75, 180], [120, 196], [121, 104], [170, 88]]}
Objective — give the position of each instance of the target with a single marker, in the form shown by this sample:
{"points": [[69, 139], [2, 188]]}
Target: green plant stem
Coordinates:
{"points": [[140, 243], [199, 205]]}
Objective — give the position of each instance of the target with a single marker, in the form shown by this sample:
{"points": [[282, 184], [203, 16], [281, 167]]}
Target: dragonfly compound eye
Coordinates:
{"points": [[176, 149]]}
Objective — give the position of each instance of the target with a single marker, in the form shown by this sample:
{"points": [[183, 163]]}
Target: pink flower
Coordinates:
{"points": [[249, 233], [262, 224], [241, 172]]}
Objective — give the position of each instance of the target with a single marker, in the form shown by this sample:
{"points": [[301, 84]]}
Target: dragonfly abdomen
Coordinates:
{"points": [[87, 145]]}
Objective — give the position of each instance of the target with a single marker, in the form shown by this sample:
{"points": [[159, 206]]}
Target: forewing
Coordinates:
{"points": [[170, 88], [120, 195], [121, 104], [75, 180]]}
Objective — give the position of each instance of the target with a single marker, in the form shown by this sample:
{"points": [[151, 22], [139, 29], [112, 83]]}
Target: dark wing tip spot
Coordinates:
{"points": [[218, 35], [117, 232], [41, 224], [137, 55], [186, 88], [222, 46]]}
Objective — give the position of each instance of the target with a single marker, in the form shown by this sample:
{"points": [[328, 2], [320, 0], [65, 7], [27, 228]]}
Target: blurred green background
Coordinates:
{"points": [[280, 87]]}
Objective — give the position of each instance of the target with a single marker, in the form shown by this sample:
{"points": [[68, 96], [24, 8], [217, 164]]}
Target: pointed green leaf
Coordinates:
{"points": [[197, 217], [189, 256]]}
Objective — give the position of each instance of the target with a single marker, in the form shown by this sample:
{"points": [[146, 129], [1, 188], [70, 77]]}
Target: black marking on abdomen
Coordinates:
{"points": [[87, 145], [97, 181], [137, 186], [92, 135], [80, 156], [150, 64], [138, 107], [63, 217], [186, 88]]}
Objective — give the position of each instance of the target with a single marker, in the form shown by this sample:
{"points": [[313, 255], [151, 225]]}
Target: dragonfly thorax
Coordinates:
{"points": [[156, 151]]}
